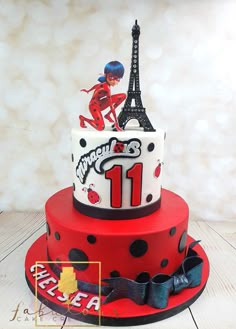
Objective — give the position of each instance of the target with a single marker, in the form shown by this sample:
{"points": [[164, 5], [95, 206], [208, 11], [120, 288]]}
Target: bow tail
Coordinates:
{"points": [[126, 288]]}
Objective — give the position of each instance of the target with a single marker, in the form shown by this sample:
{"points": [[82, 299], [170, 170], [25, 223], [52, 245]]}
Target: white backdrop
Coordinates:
{"points": [[50, 49]]}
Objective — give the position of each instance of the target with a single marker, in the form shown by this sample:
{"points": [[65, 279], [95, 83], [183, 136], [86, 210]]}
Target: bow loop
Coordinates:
{"points": [[160, 288], [193, 269]]}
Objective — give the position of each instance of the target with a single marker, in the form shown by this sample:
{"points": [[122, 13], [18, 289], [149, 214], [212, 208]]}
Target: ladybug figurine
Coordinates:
{"points": [[157, 170], [119, 147], [93, 196]]}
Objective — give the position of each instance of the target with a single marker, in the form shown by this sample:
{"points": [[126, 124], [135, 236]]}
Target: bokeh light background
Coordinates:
{"points": [[49, 50]]}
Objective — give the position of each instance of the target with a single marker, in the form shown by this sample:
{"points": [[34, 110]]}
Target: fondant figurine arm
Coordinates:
{"points": [[88, 90]]}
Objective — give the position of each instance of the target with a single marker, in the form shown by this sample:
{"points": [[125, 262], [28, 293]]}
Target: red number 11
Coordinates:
{"points": [[115, 176]]}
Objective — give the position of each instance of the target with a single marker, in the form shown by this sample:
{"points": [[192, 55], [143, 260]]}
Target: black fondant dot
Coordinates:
{"points": [[115, 274], [138, 248], [57, 236], [164, 262], [149, 198], [77, 255], [182, 241], [143, 277], [48, 229], [172, 231], [74, 186], [72, 157], [151, 147], [91, 239], [82, 142]]}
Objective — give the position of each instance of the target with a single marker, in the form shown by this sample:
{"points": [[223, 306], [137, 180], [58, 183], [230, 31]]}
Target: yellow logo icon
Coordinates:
{"points": [[67, 283]]}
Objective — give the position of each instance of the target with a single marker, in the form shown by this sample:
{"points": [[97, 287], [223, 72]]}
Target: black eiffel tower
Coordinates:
{"points": [[137, 111]]}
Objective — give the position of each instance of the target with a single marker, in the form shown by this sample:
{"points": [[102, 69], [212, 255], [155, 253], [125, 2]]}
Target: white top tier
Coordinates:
{"points": [[117, 175]]}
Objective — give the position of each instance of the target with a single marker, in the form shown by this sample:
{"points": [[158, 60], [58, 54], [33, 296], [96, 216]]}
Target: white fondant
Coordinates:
{"points": [[78, 297], [63, 298], [41, 275], [89, 168], [46, 282], [94, 302], [33, 267], [51, 291]]}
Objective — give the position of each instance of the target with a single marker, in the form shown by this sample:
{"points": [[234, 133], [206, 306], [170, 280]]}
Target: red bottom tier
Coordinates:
{"points": [[116, 272], [134, 248]]}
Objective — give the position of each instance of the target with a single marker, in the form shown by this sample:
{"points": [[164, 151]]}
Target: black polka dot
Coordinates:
{"points": [[72, 157], [77, 255], [48, 229], [74, 186], [138, 248], [143, 277], [57, 236], [164, 262], [182, 241], [172, 231], [115, 274], [91, 239], [149, 198], [151, 147], [82, 142]]}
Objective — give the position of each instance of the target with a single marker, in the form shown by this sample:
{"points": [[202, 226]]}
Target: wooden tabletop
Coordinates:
{"points": [[216, 307]]}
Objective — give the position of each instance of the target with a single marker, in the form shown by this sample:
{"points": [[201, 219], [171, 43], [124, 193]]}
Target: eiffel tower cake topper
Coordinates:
{"points": [[102, 98], [136, 111]]}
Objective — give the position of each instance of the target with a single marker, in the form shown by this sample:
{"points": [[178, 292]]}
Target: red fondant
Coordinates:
{"points": [[114, 237], [135, 174], [114, 175]]}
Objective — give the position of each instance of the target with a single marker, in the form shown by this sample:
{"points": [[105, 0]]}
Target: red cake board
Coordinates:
{"points": [[122, 312]]}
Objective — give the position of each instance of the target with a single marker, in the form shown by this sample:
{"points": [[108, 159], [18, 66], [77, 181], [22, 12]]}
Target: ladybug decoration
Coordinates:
{"points": [[119, 147], [157, 171], [93, 196]]}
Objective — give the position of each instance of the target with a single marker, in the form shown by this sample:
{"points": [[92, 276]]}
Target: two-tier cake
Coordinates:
{"points": [[116, 251]]}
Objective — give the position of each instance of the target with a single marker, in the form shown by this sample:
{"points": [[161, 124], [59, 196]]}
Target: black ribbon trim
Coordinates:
{"points": [[102, 213]]}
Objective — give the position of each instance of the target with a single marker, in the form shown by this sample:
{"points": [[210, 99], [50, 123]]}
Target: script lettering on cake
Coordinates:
{"points": [[98, 157]]}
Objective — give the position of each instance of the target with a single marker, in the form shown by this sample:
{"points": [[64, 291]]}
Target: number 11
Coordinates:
{"points": [[115, 176]]}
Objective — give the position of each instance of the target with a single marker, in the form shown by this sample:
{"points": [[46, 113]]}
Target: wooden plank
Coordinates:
{"points": [[216, 307], [16, 293], [15, 227], [227, 230]]}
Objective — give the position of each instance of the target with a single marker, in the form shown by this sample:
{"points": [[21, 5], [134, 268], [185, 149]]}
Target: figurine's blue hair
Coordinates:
{"points": [[115, 68]]}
